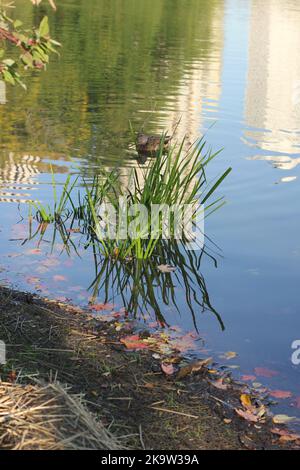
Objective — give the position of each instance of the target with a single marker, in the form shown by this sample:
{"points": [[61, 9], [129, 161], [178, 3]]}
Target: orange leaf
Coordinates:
{"points": [[133, 342], [280, 394], [248, 378], [59, 278], [34, 251], [264, 372], [246, 400], [285, 435], [99, 307], [247, 415]]}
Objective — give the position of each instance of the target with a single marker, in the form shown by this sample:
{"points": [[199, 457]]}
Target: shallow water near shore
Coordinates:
{"points": [[224, 69]]}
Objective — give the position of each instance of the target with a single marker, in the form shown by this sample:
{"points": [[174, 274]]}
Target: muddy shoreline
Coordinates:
{"points": [[126, 390]]}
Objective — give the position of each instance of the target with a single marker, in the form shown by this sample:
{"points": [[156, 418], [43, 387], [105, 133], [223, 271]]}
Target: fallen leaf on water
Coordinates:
{"points": [[33, 280], [229, 355], [68, 263], [51, 262], [248, 378], [264, 372], [76, 288], [280, 394], [185, 342], [59, 278], [193, 367], [279, 431], [168, 369], [166, 268], [133, 342], [290, 438], [34, 251], [283, 419], [246, 400], [285, 435], [41, 269], [220, 384], [99, 307], [247, 415]]}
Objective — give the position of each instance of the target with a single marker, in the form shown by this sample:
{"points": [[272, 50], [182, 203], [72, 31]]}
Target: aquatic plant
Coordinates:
{"points": [[63, 206], [143, 286], [176, 178]]}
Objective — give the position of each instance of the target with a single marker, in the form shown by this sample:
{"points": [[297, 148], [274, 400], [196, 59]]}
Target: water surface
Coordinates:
{"points": [[229, 69]]}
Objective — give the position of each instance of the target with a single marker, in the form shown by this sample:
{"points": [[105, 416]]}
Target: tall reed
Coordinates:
{"points": [[177, 177]]}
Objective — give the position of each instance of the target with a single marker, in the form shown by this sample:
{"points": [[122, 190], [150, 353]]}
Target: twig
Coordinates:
{"points": [[141, 437], [165, 410]]}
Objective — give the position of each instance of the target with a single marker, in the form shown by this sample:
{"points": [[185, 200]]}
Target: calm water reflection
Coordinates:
{"points": [[232, 64]]}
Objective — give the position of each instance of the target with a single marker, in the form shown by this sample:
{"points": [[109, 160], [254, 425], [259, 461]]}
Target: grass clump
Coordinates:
{"points": [[175, 178]]}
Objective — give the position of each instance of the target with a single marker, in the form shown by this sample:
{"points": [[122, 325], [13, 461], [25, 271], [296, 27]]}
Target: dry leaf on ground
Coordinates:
{"points": [[220, 384], [193, 367]]}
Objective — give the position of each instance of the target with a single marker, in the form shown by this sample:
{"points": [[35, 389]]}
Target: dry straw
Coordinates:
{"points": [[48, 417]]}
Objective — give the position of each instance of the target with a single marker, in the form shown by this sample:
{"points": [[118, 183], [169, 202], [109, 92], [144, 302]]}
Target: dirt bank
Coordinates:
{"points": [[126, 391]]}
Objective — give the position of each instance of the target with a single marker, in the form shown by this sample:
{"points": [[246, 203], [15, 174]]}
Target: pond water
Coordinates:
{"points": [[227, 68]]}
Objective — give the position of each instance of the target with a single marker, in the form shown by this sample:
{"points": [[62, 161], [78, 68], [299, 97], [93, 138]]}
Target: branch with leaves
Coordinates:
{"points": [[34, 45]]}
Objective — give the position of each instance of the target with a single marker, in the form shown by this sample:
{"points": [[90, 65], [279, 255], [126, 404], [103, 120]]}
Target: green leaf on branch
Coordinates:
{"points": [[8, 77], [17, 24], [9, 62], [44, 27], [35, 45]]}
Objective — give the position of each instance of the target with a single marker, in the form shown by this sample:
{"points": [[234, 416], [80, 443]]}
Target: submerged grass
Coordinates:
{"points": [[177, 177], [61, 205]]}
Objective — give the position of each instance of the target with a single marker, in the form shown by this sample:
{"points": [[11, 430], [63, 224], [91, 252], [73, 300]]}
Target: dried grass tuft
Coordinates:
{"points": [[48, 417]]}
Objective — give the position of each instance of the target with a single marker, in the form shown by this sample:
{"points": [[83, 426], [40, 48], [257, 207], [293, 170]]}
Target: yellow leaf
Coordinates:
{"points": [[230, 355], [246, 400]]}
